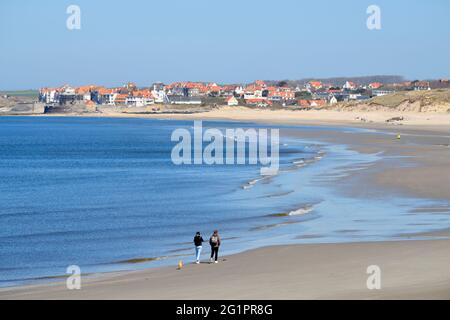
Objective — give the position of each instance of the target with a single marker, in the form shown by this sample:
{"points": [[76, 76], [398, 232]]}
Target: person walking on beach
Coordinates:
{"points": [[214, 241], [198, 242]]}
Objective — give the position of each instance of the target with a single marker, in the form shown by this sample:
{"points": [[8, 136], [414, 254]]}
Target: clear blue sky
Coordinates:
{"points": [[222, 41]]}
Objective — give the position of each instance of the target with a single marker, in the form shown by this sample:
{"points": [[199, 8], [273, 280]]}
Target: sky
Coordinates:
{"points": [[233, 41]]}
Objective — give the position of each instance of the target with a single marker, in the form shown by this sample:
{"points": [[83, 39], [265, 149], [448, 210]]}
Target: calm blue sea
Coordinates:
{"points": [[97, 193]]}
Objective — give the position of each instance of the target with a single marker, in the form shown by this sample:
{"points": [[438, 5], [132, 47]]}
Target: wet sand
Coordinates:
{"points": [[409, 270]]}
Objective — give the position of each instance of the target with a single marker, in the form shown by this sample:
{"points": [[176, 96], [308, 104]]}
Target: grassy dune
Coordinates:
{"points": [[21, 93], [424, 97], [417, 101]]}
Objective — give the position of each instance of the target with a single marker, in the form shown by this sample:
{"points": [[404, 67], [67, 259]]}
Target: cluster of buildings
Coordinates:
{"points": [[312, 94], [129, 94]]}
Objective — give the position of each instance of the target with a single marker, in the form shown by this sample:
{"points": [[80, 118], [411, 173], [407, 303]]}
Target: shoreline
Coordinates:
{"points": [[410, 269], [431, 121], [363, 143]]}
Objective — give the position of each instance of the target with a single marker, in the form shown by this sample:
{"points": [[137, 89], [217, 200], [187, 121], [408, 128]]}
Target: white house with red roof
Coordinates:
{"points": [[107, 96], [48, 95], [375, 85], [259, 102], [239, 90], [313, 85], [349, 85], [232, 101], [140, 98]]}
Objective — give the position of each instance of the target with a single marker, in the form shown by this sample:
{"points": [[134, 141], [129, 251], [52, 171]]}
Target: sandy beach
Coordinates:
{"points": [[411, 269], [286, 116]]}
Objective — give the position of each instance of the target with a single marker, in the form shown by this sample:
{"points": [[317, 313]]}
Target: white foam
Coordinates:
{"points": [[301, 211], [251, 183]]}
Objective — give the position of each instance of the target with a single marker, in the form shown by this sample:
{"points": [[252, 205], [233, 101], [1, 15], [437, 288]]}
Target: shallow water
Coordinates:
{"points": [[103, 194]]}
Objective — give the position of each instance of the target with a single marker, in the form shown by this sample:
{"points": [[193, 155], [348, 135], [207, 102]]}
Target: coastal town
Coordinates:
{"points": [[312, 94]]}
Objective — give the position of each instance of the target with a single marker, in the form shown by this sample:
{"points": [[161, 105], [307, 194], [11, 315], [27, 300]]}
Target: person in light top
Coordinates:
{"points": [[214, 242]]}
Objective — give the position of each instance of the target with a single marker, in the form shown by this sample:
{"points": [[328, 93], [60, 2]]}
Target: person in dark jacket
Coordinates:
{"points": [[214, 241], [198, 242]]}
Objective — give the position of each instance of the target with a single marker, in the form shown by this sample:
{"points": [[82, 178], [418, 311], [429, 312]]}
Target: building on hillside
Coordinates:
{"points": [[349, 85], [186, 89], [67, 95], [232, 101], [252, 94], [239, 91], [160, 96], [48, 95], [440, 84], [140, 98], [280, 94], [104, 96], [375, 85], [193, 92], [421, 85], [353, 96], [258, 102], [184, 100], [332, 100], [316, 84], [260, 83], [229, 90], [313, 85], [129, 87], [158, 86], [381, 92], [311, 103], [84, 93], [213, 89], [323, 95], [406, 85], [342, 97], [178, 91], [334, 90], [120, 99], [139, 101]]}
